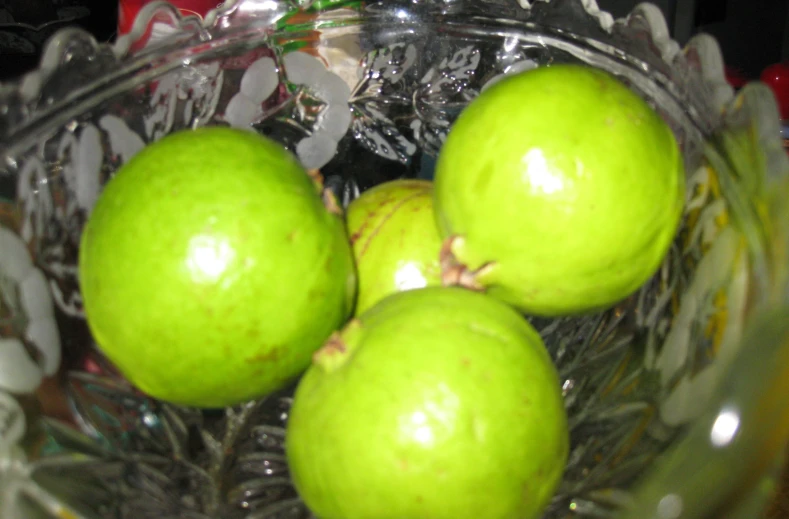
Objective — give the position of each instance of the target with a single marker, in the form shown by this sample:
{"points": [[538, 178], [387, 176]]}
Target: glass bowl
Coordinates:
{"points": [[676, 396]]}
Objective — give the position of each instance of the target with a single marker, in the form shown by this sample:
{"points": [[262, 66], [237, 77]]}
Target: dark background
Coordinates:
{"points": [[752, 34], [25, 25]]}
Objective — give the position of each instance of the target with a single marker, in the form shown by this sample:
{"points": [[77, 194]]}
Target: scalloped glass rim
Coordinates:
{"points": [[257, 15]]}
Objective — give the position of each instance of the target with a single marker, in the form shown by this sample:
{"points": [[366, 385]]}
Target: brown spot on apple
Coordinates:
{"points": [[384, 220], [362, 228], [265, 356]]}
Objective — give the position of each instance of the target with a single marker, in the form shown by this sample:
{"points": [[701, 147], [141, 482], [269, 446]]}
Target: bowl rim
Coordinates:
{"points": [[23, 99]]}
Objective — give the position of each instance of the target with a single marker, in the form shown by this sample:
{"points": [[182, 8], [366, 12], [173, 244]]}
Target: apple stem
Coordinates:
{"points": [[336, 351], [330, 356], [317, 177], [454, 273], [330, 202]]}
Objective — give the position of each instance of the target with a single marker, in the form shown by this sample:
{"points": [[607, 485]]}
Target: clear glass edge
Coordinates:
{"points": [[239, 15]]}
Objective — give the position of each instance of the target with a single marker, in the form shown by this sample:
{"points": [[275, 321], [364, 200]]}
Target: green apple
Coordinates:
{"points": [[559, 190], [436, 403], [211, 270], [395, 240]]}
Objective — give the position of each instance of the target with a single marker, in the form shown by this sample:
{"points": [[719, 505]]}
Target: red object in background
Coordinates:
{"points": [[735, 78], [128, 9], [777, 78]]}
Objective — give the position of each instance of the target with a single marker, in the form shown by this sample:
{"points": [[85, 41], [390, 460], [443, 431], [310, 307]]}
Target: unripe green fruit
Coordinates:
{"points": [[436, 403], [211, 270], [395, 240], [559, 191]]}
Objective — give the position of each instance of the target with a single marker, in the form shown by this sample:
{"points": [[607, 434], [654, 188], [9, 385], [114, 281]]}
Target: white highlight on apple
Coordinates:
{"points": [[539, 174], [409, 277], [422, 433], [208, 258]]}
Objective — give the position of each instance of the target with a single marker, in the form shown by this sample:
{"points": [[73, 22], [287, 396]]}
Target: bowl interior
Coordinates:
{"points": [[366, 94]]}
